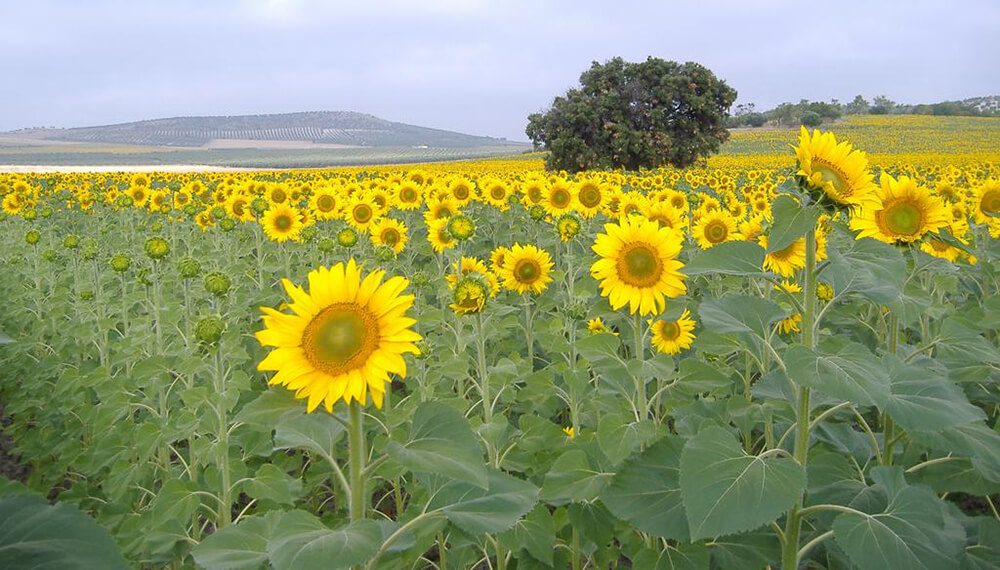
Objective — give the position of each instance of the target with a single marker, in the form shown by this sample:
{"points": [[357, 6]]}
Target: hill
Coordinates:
{"points": [[340, 128]]}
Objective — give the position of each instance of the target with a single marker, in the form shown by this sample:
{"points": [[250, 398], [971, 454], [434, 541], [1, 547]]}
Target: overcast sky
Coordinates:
{"points": [[466, 65]]}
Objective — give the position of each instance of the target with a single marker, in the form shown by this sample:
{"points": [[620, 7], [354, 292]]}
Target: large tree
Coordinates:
{"points": [[633, 115]]}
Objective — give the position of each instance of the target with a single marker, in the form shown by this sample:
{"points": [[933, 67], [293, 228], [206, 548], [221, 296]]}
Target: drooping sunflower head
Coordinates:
{"points": [[986, 199], [498, 258], [671, 337], [526, 268], [787, 260], [903, 212], [637, 265], [343, 339], [470, 294], [837, 170], [438, 235]]}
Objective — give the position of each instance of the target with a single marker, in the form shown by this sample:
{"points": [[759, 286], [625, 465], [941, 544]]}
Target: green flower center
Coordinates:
{"points": [[362, 213], [325, 203], [832, 174], [340, 338], [559, 198], [716, 231], [590, 196], [991, 202], [527, 271], [283, 222], [903, 218], [639, 265]]}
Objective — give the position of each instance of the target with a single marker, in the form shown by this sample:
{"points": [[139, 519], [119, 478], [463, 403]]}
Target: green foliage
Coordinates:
{"points": [[634, 115]]}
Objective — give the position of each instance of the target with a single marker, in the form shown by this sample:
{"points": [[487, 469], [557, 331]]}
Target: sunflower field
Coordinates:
{"points": [[485, 365]]}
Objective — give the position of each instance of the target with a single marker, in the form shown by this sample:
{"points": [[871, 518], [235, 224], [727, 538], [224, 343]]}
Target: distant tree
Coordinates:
{"points": [[754, 119], [859, 106], [811, 119], [882, 105], [634, 115]]}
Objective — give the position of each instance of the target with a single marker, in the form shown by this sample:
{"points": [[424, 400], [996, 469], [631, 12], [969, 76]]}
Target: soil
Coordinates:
{"points": [[10, 465]]}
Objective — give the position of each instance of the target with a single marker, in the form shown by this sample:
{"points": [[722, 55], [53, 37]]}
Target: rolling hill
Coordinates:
{"points": [[340, 128]]}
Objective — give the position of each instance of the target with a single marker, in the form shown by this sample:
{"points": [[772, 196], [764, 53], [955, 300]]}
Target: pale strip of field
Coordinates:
{"points": [[32, 168], [264, 144]]}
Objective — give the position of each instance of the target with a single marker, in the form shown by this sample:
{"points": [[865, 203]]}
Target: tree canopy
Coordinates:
{"points": [[634, 115]]}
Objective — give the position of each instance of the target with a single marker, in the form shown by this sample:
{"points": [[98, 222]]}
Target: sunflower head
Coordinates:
{"points": [[836, 171], [470, 295], [526, 269], [568, 226], [902, 213], [343, 338], [671, 337]]}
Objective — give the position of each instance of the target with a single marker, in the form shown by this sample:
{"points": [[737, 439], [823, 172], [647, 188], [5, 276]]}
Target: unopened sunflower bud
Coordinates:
{"points": [[209, 330], [188, 267], [32, 237], [347, 237], [120, 263], [157, 248], [217, 283]]}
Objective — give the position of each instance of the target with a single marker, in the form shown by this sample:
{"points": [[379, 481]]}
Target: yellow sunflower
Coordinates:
{"points": [[495, 193], [986, 199], [714, 228], [638, 265], [787, 261], [597, 326], [590, 198], [902, 213], [461, 192], [558, 198], [473, 266], [344, 338], [526, 268], [409, 196], [671, 337], [438, 235], [361, 214], [238, 206], [837, 169], [325, 204], [390, 233], [281, 223], [533, 191]]}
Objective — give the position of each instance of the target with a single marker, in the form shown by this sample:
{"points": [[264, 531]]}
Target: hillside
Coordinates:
{"points": [[311, 129]]}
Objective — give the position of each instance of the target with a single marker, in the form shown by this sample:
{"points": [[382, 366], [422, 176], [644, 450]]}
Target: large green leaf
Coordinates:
{"points": [[477, 510], [441, 441], [272, 484], [791, 222], [911, 533], [573, 478], [984, 551], [974, 440], [35, 534], [869, 268], [535, 533], [303, 541], [727, 491], [318, 433], [922, 400], [850, 372], [739, 314], [681, 557], [647, 492], [270, 408], [238, 546], [730, 258], [748, 551]]}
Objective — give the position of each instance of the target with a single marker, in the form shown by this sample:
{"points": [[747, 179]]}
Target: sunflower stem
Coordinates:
{"points": [[640, 380], [528, 336], [888, 426], [356, 460], [225, 501], [793, 524]]}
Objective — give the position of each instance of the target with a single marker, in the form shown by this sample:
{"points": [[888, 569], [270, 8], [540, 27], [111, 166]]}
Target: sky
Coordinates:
{"points": [[466, 65]]}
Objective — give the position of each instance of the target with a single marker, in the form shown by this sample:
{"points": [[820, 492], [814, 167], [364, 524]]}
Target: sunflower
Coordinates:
{"points": [[238, 207], [276, 194], [790, 324], [665, 215], [902, 213], [638, 265], [631, 203], [361, 213], [526, 268], [533, 191], [12, 204], [281, 223], [344, 338], [461, 191], [390, 233], [837, 169], [496, 193], [204, 220], [470, 295], [714, 228], [498, 258], [438, 235], [590, 197], [440, 209], [409, 195], [785, 261], [986, 199], [941, 249], [671, 337], [473, 266], [139, 195], [558, 198], [325, 204], [597, 326]]}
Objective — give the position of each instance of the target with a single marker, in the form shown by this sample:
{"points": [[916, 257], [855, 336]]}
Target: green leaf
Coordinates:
{"points": [[647, 492], [911, 533], [680, 557], [923, 400], [743, 258], [35, 534], [727, 491], [984, 551], [303, 541], [477, 510], [976, 440], [238, 546], [535, 533], [850, 372], [270, 408], [4, 339], [750, 551], [619, 435], [318, 433], [791, 222], [442, 441], [737, 314], [273, 484], [573, 478], [870, 268]]}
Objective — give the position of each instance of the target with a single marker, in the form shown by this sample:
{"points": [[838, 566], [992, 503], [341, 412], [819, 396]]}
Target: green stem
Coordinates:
{"points": [[528, 336], [640, 380], [484, 378], [793, 524], [888, 426], [225, 500], [356, 460]]}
